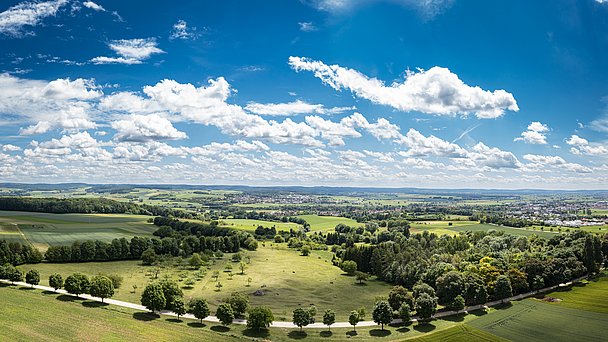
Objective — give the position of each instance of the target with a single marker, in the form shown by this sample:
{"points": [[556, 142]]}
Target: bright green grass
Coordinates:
{"points": [[251, 225], [31, 315], [508, 230], [327, 223], [439, 227], [532, 320], [288, 280], [589, 296], [44, 229], [459, 333]]}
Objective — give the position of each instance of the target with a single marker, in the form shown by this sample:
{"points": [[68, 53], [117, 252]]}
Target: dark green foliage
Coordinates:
{"points": [[32, 277], [56, 281], [421, 288], [349, 267], [16, 254], [179, 306], [301, 318], [382, 313], [329, 318], [449, 286], [102, 287], [399, 295], [171, 291], [259, 317], [361, 276], [77, 284], [239, 303], [426, 306], [199, 308], [354, 318], [475, 290], [456, 304], [502, 288], [225, 314], [10, 272], [153, 297], [405, 312]]}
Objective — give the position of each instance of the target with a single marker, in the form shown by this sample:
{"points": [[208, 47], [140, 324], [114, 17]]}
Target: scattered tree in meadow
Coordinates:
{"points": [[218, 286], [102, 287], [77, 284], [349, 267], [239, 303], [301, 318], [361, 276], [32, 277], [305, 250], [426, 306], [215, 274], [179, 306], [353, 319], [242, 266], [225, 314], [56, 281], [259, 317], [249, 280], [171, 291], [329, 318], [149, 257], [153, 297], [196, 261], [199, 308], [405, 312], [382, 313]]}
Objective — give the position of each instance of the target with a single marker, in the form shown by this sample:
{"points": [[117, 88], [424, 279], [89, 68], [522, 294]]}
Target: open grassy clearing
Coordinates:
{"points": [[591, 295], [514, 231], [439, 227], [532, 320], [287, 279], [44, 229], [327, 223], [250, 225]]}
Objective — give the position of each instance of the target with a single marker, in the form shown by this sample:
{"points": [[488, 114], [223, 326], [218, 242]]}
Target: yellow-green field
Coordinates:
{"points": [[327, 223], [250, 225]]}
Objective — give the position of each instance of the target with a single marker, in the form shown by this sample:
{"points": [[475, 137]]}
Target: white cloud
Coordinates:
{"points": [[419, 145], [582, 146], [13, 21], [141, 128], [10, 148], [493, 157], [435, 91], [93, 6], [182, 31], [428, 8], [545, 160], [293, 108], [130, 51], [307, 26], [536, 134]]}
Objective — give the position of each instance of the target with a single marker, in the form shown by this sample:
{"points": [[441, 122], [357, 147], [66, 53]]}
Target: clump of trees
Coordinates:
{"points": [[15, 253]]}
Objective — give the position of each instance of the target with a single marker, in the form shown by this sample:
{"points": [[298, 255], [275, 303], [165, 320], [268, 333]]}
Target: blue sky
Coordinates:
{"points": [[436, 94]]}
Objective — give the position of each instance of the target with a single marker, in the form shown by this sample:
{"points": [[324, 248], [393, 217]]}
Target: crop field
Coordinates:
{"points": [[327, 223], [287, 280], [250, 225], [533, 320], [459, 333], [43, 229], [439, 227], [590, 295]]}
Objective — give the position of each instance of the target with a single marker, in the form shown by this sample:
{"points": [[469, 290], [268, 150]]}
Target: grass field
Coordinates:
{"points": [[459, 333], [287, 279], [251, 225], [327, 223], [439, 227], [509, 230], [44, 229], [591, 295]]}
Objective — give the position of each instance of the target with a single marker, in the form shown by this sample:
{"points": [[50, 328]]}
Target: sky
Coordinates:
{"points": [[388, 93]]}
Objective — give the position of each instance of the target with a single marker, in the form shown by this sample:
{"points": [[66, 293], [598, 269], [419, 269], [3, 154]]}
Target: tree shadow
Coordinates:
{"points": [[93, 304], [326, 333], [503, 306], [379, 332], [26, 288], [174, 320], [351, 333], [196, 325], [4, 285], [66, 298], [478, 313], [46, 292], [220, 328], [260, 333], [297, 334], [403, 329], [455, 318], [145, 316], [424, 327]]}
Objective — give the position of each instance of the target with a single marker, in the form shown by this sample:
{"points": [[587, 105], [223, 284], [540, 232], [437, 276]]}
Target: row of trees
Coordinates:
{"points": [[15, 253]]}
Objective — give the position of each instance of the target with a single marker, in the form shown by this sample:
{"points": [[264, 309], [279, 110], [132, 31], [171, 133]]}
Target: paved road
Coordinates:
{"points": [[212, 319]]}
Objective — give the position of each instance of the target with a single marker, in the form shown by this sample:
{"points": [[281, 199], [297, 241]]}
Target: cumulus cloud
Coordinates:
{"points": [[15, 20], [182, 31], [419, 145], [545, 160], [493, 157], [535, 134], [130, 51], [435, 91], [93, 6], [293, 108], [143, 128], [583, 146], [10, 148]]}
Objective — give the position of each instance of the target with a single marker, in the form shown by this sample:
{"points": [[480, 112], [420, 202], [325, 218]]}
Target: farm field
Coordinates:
{"points": [[459, 333], [439, 227], [510, 230], [287, 279], [327, 223], [533, 320], [44, 229], [250, 225], [591, 295]]}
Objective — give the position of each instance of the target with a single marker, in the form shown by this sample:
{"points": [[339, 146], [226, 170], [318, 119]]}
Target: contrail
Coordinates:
{"points": [[469, 130]]}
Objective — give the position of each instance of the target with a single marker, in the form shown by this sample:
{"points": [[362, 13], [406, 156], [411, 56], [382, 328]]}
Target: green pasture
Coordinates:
{"points": [[459, 333], [439, 227], [250, 225], [591, 295], [509, 230], [327, 223]]}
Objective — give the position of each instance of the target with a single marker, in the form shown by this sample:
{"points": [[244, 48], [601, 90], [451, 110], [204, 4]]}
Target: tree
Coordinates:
{"points": [[149, 257], [405, 313], [361, 276], [421, 288], [502, 288], [102, 287], [13, 274], [353, 319], [301, 318], [449, 286], [215, 274], [199, 308], [259, 317], [171, 291], [519, 283], [249, 281], [32, 277], [382, 313], [329, 318], [178, 306], [239, 303], [456, 304], [153, 297], [349, 267], [305, 250], [242, 266], [219, 286], [225, 314], [399, 295], [56, 281], [426, 306], [196, 261], [475, 292], [77, 284]]}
